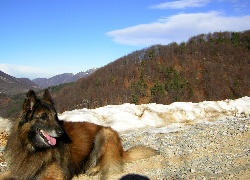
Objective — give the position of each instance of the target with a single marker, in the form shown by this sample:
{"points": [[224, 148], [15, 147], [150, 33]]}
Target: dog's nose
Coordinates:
{"points": [[59, 132]]}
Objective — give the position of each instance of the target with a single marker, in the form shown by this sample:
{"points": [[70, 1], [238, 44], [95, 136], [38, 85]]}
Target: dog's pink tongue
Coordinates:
{"points": [[51, 140]]}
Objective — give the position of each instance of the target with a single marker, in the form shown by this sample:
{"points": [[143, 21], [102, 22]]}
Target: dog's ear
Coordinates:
{"points": [[30, 100], [47, 96]]}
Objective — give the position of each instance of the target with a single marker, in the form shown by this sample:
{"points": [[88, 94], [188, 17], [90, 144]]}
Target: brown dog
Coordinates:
{"points": [[42, 147]]}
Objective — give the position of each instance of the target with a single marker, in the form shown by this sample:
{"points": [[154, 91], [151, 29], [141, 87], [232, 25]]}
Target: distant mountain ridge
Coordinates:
{"points": [[62, 78], [12, 89], [10, 85]]}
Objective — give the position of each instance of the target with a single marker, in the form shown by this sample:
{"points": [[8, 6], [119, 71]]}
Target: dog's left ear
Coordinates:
{"points": [[47, 96]]}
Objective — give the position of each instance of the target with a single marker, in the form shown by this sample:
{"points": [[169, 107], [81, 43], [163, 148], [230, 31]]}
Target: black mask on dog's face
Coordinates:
{"points": [[40, 121]]}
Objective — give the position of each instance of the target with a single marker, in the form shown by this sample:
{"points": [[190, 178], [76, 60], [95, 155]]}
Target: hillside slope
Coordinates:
{"points": [[206, 67], [10, 85]]}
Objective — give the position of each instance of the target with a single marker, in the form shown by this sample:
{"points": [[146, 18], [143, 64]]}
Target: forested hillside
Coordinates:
{"points": [[206, 67]]}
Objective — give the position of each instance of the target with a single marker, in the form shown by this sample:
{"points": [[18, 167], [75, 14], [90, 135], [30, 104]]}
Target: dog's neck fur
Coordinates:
{"points": [[22, 158]]}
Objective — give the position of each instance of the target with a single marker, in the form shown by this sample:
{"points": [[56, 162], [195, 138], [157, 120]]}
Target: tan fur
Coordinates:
{"points": [[138, 152], [53, 171], [107, 155], [81, 147]]}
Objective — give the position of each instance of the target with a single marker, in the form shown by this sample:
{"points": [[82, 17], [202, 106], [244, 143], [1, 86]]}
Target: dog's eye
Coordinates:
{"points": [[44, 116], [55, 116]]}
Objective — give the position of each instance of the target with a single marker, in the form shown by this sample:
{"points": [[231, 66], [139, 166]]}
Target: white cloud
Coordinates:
{"points": [[181, 4], [178, 28]]}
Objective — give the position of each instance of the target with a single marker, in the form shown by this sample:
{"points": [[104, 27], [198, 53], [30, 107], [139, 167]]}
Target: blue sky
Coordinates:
{"points": [[43, 38]]}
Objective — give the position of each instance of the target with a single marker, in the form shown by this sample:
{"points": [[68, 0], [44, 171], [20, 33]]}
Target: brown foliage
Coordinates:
{"points": [[206, 67]]}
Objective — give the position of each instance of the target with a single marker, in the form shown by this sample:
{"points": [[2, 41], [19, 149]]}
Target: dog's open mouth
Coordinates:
{"points": [[47, 138]]}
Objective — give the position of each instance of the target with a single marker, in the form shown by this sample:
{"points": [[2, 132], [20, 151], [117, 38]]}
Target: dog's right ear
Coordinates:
{"points": [[30, 100]]}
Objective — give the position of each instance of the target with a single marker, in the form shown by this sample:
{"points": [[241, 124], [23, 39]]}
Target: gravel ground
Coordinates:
{"points": [[218, 150]]}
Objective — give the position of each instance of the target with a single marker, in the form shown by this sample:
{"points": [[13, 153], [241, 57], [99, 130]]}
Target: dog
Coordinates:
{"points": [[41, 146]]}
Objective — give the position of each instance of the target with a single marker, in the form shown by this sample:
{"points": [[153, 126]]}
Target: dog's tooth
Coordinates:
{"points": [[43, 133]]}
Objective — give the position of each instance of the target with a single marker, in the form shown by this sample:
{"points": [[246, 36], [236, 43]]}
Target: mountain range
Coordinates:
{"points": [[62, 78], [10, 85]]}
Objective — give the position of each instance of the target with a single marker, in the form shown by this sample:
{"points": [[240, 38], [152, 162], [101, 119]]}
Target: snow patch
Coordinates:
{"points": [[5, 124], [159, 117]]}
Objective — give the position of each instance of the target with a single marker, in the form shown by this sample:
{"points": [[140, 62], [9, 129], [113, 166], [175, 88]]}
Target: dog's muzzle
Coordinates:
{"points": [[50, 137]]}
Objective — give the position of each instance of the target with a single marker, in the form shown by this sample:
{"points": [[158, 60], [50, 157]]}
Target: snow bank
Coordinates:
{"points": [[158, 117], [5, 124]]}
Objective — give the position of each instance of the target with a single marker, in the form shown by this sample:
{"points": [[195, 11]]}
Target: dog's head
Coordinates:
{"points": [[39, 126]]}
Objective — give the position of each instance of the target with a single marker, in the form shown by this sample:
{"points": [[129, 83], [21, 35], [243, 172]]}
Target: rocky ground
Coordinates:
{"points": [[218, 150]]}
